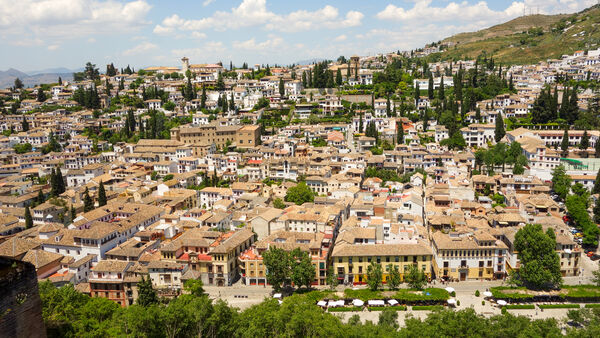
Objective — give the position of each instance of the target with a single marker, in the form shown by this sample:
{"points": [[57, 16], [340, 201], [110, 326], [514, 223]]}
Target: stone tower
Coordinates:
{"points": [[185, 64]]}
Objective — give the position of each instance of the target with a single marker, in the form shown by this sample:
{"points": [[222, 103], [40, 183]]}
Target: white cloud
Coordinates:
{"points": [[422, 10], [342, 37], [209, 52], [255, 13], [207, 2], [261, 46], [198, 35], [64, 19], [141, 48], [53, 47]]}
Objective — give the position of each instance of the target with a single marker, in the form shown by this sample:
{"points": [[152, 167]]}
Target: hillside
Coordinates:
{"points": [[7, 78], [529, 39]]}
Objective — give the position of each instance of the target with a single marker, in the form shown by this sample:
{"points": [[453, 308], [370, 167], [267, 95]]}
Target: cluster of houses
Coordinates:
{"points": [[208, 202]]}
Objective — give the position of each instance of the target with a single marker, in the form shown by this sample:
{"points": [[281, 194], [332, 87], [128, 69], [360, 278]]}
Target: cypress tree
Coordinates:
{"points": [[417, 95], [563, 112], [338, 77], [400, 134], [28, 218], [40, 197], [430, 88], [564, 144], [585, 141], [597, 148], [573, 113], [442, 92], [61, 182], [499, 131], [88, 204], [73, 213], [596, 188], [53, 184], [203, 98], [25, 124], [101, 194]]}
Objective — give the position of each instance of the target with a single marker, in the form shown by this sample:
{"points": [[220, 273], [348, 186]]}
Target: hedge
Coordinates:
{"points": [[574, 293], [381, 308], [592, 306], [520, 307], [559, 306], [435, 294], [345, 309], [497, 292], [427, 307], [363, 294]]}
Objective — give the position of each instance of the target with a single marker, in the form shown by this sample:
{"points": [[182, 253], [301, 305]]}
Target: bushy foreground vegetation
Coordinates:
{"points": [[68, 313]]}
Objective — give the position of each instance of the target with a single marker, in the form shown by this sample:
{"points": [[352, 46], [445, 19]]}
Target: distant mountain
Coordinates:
{"points": [[309, 61], [59, 70], [528, 39], [7, 78]]}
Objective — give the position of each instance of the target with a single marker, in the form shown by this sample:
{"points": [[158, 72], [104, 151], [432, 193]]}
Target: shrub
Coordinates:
{"points": [[453, 294], [483, 302], [519, 307], [476, 293], [458, 303], [592, 306], [559, 306], [504, 311]]}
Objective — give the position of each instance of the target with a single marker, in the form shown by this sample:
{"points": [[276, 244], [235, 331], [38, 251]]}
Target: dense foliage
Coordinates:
{"points": [[540, 264], [68, 313]]}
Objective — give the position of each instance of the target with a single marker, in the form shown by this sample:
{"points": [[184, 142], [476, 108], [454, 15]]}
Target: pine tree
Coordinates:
{"points": [[564, 144], [499, 131], [88, 204], [28, 218], [41, 96], [101, 194]]}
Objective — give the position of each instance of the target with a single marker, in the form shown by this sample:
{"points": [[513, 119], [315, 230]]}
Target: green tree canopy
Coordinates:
{"points": [[540, 264]]}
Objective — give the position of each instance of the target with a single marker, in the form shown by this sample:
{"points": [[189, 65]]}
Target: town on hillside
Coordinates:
{"points": [[361, 174]]}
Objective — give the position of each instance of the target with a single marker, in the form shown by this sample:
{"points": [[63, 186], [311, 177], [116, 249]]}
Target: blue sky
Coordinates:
{"points": [[39, 34]]}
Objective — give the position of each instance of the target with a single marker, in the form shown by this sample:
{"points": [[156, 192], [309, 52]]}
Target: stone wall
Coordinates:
{"points": [[20, 304]]}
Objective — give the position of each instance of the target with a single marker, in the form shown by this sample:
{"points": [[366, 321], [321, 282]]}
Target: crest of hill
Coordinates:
{"points": [[528, 39]]}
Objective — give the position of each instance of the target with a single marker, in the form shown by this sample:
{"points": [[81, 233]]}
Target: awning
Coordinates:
{"points": [[452, 301], [487, 294], [332, 303], [568, 251], [358, 302], [322, 303], [277, 296], [449, 289], [393, 302], [376, 302], [501, 302]]}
